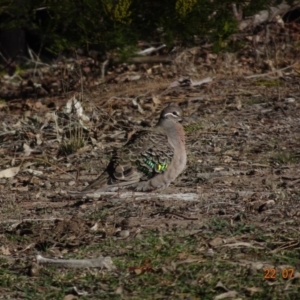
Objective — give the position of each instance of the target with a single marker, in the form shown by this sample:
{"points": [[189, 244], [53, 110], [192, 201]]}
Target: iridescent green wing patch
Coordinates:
{"points": [[149, 165], [142, 168], [150, 152]]}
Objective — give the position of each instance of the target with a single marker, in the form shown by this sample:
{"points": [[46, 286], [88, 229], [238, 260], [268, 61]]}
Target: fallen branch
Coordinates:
{"points": [[100, 262], [147, 196], [269, 73], [150, 59]]}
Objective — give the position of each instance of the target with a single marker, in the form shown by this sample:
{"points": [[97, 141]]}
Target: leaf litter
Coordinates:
{"points": [[235, 209]]}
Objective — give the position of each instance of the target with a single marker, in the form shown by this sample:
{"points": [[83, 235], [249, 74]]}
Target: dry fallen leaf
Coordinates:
{"points": [[146, 267], [227, 295], [216, 242], [8, 173], [155, 100], [70, 297], [5, 250], [252, 290]]}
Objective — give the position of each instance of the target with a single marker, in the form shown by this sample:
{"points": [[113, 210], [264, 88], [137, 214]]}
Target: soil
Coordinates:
{"points": [[242, 138]]}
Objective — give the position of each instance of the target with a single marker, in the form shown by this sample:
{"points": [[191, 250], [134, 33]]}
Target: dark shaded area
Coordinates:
{"points": [[51, 28]]}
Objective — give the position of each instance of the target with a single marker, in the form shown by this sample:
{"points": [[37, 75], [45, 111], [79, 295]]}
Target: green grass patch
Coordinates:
{"points": [[194, 127], [174, 265], [285, 158], [72, 142], [269, 83]]}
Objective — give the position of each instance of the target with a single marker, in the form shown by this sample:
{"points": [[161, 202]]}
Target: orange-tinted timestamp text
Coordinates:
{"points": [[272, 273]]}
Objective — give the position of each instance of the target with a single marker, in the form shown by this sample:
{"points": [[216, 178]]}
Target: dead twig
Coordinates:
{"points": [[100, 262], [270, 73]]}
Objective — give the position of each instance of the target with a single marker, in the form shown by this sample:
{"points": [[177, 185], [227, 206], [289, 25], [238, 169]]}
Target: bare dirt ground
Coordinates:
{"points": [[227, 228]]}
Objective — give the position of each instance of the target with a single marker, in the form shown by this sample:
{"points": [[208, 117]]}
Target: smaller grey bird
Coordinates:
{"points": [[150, 160]]}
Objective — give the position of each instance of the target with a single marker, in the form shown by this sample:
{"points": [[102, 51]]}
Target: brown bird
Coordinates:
{"points": [[150, 160]]}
